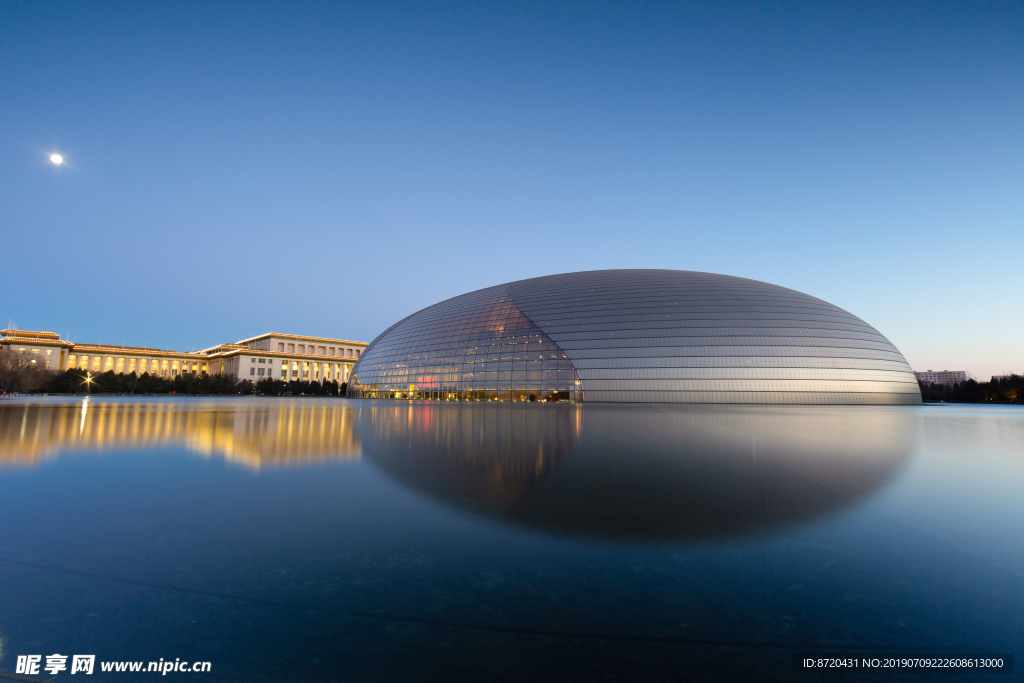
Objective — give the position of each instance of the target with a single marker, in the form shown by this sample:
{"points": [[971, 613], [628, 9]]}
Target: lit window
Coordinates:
{"points": [[49, 352]]}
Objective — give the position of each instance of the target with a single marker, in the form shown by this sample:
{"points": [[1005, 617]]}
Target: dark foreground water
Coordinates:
{"points": [[336, 540]]}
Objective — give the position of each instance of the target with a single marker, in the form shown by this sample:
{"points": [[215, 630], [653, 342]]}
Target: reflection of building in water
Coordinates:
{"points": [[488, 456], [641, 472], [257, 434]]}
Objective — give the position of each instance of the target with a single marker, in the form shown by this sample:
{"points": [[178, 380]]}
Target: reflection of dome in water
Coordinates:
{"points": [[662, 336], [640, 473], [486, 459]]}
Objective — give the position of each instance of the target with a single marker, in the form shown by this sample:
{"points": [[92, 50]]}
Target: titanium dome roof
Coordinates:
{"points": [[636, 336]]}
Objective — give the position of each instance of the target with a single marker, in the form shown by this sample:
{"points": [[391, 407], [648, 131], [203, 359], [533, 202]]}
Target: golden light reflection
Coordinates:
{"points": [[255, 435], [482, 456]]}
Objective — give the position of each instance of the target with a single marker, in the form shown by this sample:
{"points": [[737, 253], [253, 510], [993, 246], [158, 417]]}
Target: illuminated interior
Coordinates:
{"points": [[482, 349]]}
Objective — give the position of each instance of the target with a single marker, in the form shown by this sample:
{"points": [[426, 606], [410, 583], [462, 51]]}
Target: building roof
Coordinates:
{"points": [[40, 338], [44, 338], [40, 334], [302, 338], [245, 351], [133, 351]]}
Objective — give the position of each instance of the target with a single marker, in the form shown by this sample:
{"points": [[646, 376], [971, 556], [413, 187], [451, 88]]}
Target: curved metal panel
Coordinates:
{"points": [[637, 336], [678, 336]]}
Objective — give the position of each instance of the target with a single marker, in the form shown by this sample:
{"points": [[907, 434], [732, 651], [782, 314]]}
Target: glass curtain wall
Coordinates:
{"points": [[479, 348]]}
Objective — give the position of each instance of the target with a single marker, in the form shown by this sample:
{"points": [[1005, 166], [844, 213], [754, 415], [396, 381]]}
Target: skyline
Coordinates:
{"points": [[230, 171]]}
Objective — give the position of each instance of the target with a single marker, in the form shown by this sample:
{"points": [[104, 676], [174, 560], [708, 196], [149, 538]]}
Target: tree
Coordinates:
{"points": [[10, 369], [130, 383], [70, 381], [107, 383], [151, 384], [270, 387], [178, 384], [33, 379], [202, 385], [298, 387], [222, 385]]}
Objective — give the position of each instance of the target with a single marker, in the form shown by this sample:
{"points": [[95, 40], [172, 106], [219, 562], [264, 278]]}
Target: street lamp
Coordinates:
{"points": [[88, 382]]}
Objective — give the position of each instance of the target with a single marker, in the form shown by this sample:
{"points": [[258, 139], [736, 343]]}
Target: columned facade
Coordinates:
{"points": [[279, 356]]}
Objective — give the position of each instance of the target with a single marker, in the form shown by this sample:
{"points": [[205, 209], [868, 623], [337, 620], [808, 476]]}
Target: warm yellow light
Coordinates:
{"points": [[56, 159]]}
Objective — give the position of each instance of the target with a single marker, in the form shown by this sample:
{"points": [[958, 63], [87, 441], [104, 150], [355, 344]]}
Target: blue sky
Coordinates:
{"points": [[327, 169]]}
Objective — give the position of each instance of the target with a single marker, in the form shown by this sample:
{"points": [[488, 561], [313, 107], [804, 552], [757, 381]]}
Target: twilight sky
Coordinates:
{"points": [[327, 169]]}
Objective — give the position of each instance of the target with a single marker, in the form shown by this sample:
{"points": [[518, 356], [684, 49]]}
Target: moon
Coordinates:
{"points": [[56, 159]]}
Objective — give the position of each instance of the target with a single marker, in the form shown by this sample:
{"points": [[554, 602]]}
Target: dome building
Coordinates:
{"points": [[660, 336]]}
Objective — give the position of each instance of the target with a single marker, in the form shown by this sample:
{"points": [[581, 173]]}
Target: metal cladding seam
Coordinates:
{"points": [[640, 336], [690, 337]]}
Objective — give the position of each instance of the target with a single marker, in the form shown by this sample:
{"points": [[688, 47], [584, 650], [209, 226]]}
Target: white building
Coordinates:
{"points": [[281, 356], [949, 377], [42, 349]]}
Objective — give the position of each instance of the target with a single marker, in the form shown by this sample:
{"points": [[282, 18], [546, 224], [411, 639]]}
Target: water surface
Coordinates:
{"points": [[340, 540]]}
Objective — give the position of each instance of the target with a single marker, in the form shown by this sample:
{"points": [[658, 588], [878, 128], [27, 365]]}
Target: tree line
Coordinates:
{"points": [[16, 377], [19, 377], [1009, 390]]}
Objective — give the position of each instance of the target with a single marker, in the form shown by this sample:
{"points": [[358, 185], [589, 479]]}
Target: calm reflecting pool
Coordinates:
{"points": [[342, 540]]}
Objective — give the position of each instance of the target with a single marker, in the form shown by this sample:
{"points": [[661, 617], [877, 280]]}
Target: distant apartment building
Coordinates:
{"points": [[281, 356], [949, 377]]}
